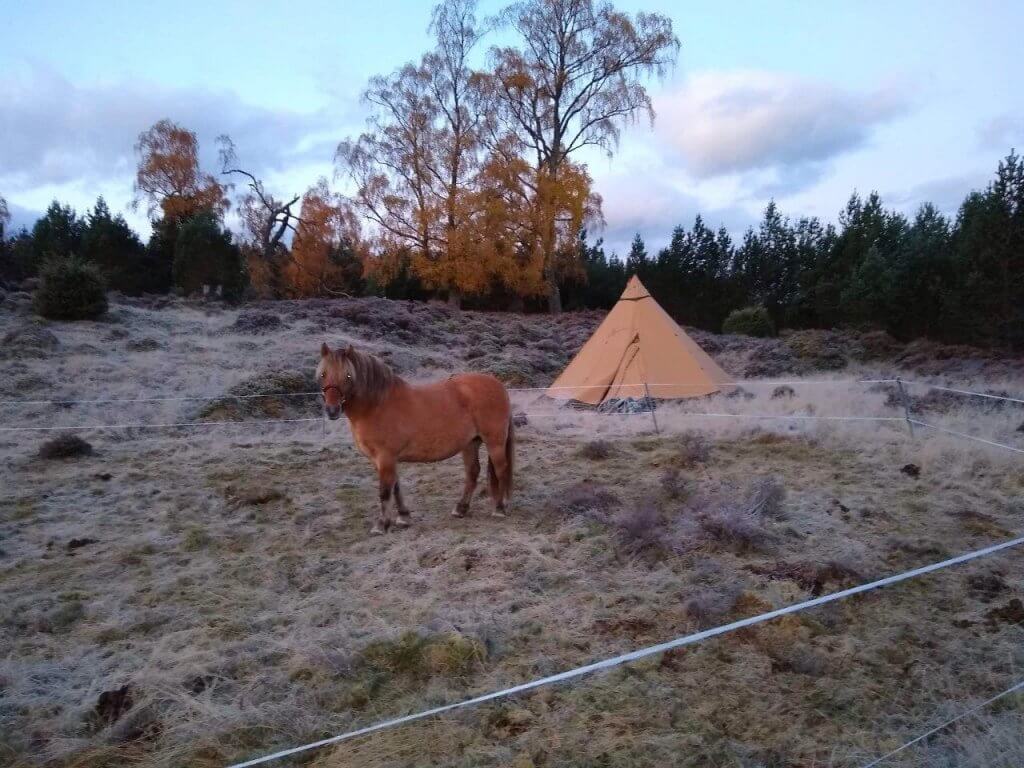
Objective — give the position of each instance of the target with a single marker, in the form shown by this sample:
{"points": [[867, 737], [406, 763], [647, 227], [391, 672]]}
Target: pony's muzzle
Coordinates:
{"points": [[333, 411]]}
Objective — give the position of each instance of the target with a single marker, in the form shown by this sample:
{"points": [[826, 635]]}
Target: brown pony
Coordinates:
{"points": [[395, 421]]}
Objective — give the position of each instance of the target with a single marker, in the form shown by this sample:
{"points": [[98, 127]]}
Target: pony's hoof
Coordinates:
{"points": [[499, 513], [461, 510], [379, 529], [403, 521]]}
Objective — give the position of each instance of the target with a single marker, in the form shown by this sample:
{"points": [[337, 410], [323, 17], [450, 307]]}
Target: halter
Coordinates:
{"points": [[341, 395]]}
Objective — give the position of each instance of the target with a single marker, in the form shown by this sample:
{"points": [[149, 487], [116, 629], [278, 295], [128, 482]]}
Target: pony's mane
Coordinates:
{"points": [[371, 376]]}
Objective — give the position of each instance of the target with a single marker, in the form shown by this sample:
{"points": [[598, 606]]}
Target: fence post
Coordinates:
{"points": [[906, 405], [653, 417]]}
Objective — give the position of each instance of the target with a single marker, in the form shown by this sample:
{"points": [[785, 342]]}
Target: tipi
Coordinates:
{"points": [[638, 351]]}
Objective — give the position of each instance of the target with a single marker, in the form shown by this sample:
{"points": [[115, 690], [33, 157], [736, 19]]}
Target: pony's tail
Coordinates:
{"points": [[510, 458], [501, 487]]}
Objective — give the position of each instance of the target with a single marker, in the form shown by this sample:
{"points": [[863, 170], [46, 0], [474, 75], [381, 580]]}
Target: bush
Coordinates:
{"points": [[71, 289], [639, 528], [750, 321], [693, 449], [597, 450], [586, 498], [673, 483], [65, 446]]}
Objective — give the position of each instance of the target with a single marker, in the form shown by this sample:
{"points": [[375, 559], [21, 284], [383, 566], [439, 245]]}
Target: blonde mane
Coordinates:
{"points": [[371, 378]]}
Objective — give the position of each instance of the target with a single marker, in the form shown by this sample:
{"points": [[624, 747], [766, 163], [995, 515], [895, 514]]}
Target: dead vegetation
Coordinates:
{"points": [[65, 446], [207, 596]]}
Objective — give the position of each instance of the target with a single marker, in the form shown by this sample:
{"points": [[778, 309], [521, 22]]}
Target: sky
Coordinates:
{"points": [[800, 102]]}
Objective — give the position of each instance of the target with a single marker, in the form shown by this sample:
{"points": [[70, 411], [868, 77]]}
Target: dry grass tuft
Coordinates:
{"points": [[245, 400], [813, 577], [586, 498], [413, 657], [673, 483], [734, 527], [693, 449], [737, 520], [767, 496], [597, 450], [710, 607], [640, 528]]}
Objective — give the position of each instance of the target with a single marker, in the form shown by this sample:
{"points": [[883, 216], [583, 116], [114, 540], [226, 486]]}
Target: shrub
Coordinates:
{"points": [[71, 289], [673, 483], [639, 528], [256, 323], [597, 450], [766, 498], [708, 607], [749, 321], [693, 449], [587, 498], [240, 401], [734, 528], [64, 446], [783, 391]]}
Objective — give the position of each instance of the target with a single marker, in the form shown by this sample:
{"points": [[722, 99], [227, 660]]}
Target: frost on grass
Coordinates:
{"points": [[232, 586], [693, 449], [589, 499], [738, 520], [275, 394], [640, 528], [673, 484]]}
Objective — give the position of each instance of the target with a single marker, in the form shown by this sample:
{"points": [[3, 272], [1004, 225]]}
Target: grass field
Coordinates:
{"points": [[196, 596]]}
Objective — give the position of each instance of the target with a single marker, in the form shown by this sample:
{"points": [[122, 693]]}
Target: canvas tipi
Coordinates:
{"points": [[638, 351]]}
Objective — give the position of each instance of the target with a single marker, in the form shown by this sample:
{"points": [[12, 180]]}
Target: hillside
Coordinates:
{"points": [[197, 595]]}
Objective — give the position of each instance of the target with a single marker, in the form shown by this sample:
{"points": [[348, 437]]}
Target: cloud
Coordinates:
{"points": [[946, 194], [21, 218], [784, 127], [652, 204], [55, 132], [1002, 132]]}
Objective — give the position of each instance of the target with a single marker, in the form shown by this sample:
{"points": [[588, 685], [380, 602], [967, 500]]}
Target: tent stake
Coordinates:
{"points": [[653, 417]]}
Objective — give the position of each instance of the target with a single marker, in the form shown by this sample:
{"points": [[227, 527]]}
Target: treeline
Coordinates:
{"points": [[959, 280], [190, 249]]}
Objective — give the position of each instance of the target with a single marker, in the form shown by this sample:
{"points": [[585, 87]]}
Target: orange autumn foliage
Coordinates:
{"points": [[328, 251], [168, 177]]}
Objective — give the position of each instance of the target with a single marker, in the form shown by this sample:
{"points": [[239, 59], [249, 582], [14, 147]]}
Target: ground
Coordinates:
{"points": [[195, 596]]}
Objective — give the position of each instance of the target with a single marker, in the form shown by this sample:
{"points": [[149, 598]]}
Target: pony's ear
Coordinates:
{"points": [[348, 351], [324, 350]]}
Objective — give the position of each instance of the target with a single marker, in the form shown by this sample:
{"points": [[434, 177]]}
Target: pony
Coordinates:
{"points": [[394, 421]]}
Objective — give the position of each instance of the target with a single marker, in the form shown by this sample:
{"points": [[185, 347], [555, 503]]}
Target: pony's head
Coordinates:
{"points": [[348, 376]]}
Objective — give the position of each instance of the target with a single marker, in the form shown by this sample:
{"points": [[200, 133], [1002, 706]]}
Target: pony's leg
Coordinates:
{"points": [[388, 477], [403, 520], [471, 461], [497, 462]]}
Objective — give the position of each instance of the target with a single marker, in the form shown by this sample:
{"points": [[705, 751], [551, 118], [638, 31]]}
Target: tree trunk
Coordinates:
{"points": [[516, 304], [455, 299], [554, 297]]}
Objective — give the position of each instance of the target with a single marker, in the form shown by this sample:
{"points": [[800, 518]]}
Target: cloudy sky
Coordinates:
{"points": [[802, 102]]}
